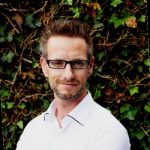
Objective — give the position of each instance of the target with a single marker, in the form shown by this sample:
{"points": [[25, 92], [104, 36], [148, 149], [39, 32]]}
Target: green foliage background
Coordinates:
{"points": [[120, 81]]}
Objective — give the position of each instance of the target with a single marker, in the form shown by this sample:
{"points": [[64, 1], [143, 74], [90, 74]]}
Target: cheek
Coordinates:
{"points": [[52, 77], [82, 77]]}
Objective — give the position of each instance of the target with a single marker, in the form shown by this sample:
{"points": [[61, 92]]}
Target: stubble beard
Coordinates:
{"points": [[68, 96]]}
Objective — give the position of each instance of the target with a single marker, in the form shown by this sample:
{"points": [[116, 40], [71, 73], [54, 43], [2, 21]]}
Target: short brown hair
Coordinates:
{"points": [[71, 28]]}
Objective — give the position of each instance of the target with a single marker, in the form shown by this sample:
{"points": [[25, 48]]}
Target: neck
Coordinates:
{"points": [[64, 107]]}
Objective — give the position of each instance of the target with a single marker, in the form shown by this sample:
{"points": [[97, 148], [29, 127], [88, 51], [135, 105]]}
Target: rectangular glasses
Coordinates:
{"points": [[61, 64]]}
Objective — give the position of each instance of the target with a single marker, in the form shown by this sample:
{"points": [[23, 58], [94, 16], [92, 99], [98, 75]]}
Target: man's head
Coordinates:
{"points": [[67, 59]]}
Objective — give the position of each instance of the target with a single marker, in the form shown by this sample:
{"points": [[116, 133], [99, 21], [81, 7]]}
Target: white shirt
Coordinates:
{"points": [[87, 127]]}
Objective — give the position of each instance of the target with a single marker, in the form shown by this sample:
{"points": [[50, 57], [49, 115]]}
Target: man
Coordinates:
{"points": [[73, 121]]}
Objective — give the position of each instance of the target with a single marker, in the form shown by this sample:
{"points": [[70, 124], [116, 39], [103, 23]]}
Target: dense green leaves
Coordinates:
{"points": [[120, 80], [128, 111]]}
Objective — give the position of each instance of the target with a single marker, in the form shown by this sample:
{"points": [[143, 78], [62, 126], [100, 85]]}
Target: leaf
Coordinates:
{"points": [[131, 22], [142, 18], [2, 29], [22, 106], [139, 135], [20, 124], [124, 108], [7, 57], [97, 94], [114, 3], [129, 112], [2, 39], [147, 62], [18, 18], [68, 2], [117, 22], [124, 52], [147, 107], [100, 55], [140, 69], [76, 12], [119, 62], [133, 90], [29, 20], [10, 37], [35, 65], [4, 92], [3, 105], [46, 85], [46, 104], [37, 22], [10, 105], [98, 25]]}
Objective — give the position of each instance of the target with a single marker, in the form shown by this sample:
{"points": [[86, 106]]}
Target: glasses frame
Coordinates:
{"points": [[68, 62]]}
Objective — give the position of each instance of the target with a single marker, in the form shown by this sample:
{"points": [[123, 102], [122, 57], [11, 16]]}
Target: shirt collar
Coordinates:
{"points": [[80, 113]]}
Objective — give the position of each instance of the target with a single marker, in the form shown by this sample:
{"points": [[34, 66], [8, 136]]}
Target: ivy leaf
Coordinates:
{"points": [[129, 112], [139, 135], [133, 90], [4, 92], [97, 94], [147, 62], [100, 55], [142, 18], [20, 124], [22, 106], [10, 105], [76, 12], [114, 3], [68, 2], [124, 108], [29, 20], [9, 37], [35, 65], [116, 21], [37, 22], [7, 57], [147, 107]]}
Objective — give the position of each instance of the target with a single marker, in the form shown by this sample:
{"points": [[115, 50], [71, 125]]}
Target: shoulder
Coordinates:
{"points": [[102, 119], [108, 129], [35, 122]]}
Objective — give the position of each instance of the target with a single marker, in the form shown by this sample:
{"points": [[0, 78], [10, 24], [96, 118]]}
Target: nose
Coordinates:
{"points": [[68, 73]]}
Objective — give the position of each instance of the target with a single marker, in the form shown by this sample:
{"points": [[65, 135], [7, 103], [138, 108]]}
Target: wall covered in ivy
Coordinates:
{"points": [[120, 81]]}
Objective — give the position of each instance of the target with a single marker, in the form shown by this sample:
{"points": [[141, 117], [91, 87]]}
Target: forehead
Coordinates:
{"points": [[66, 47]]}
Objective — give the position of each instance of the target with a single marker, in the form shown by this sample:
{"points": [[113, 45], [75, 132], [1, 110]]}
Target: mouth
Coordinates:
{"points": [[68, 84]]}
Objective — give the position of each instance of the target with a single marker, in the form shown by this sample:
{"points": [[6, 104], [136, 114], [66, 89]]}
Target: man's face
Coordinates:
{"points": [[67, 83]]}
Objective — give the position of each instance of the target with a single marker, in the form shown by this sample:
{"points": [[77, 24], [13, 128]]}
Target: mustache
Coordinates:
{"points": [[67, 82]]}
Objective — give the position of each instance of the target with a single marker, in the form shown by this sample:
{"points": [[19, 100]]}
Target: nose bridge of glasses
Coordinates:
{"points": [[69, 62]]}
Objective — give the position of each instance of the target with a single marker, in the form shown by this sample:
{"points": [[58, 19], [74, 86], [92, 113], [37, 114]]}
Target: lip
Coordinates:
{"points": [[68, 84]]}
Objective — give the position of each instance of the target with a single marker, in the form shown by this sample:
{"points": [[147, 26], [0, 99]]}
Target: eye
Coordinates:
{"points": [[79, 63], [57, 62]]}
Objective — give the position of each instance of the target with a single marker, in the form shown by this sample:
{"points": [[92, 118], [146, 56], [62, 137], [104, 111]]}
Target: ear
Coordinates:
{"points": [[91, 65], [44, 66]]}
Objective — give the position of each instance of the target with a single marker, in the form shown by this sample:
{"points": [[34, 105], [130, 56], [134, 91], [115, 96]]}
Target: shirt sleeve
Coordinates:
{"points": [[112, 139]]}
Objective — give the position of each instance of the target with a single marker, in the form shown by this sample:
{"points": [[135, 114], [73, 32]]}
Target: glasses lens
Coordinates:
{"points": [[79, 64], [56, 64]]}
